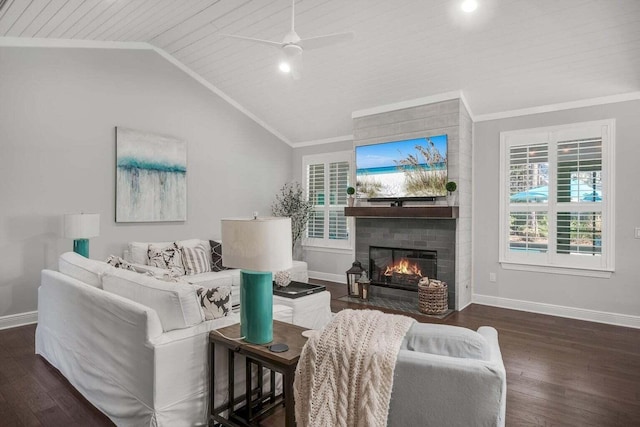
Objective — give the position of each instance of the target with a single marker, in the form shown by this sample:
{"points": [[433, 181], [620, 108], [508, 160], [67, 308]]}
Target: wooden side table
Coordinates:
{"points": [[257, 402]]}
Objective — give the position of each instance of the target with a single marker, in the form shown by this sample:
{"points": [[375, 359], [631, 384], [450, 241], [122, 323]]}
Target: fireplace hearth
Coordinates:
{"points": [[401, 268]]}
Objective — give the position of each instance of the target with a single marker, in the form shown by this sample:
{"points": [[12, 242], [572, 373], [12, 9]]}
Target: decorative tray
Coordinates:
{"points": [[297, 289]]}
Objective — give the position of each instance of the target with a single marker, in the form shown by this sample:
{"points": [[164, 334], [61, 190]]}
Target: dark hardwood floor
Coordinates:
{"points": [[560, 372]]}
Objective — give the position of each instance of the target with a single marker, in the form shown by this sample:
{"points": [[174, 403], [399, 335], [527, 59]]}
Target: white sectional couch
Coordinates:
{"points": [[133, 346], [137, 253]]}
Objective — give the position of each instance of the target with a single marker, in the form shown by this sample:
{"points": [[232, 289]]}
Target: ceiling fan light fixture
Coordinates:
{"points": [[292, 49], [284, 67], [469, 5]]}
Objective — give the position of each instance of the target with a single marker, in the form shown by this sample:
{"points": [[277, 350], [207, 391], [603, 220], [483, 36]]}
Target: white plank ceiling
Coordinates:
{"points": [[509, 54]]}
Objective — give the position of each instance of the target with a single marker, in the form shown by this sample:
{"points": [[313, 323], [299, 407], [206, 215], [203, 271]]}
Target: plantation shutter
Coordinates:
{"points": [[315, 184], [557, 184], [338, 183], [316, 193], [528, 176], [579, 180], [326, 180]]}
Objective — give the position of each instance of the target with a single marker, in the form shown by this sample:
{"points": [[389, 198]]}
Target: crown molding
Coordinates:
{"points": [[96, 44], [341, 138], [463, 98], [69, 43], [457, 94], [612, 99]]}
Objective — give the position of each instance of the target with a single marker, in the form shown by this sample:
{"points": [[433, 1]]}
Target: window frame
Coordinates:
{"points": [[552, 262], [326, 159]]}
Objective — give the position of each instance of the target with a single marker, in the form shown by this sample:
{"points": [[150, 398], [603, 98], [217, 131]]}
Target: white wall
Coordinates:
{"points": [[323, 263], [58, 113], [584, 297]]}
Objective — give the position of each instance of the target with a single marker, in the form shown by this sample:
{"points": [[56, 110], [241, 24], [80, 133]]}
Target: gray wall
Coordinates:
{"points": [[619, 294], [323, 263], [58, 113]]}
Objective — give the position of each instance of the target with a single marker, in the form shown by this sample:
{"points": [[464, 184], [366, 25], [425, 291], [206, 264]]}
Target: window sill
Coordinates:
{"points": [[570, 271], [329, 249]]}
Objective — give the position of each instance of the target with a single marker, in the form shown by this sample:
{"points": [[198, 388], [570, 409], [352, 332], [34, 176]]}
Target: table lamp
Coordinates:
{"points": [[257, 246], [81, 227]]}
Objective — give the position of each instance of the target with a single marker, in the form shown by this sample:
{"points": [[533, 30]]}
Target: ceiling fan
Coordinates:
{"points": [[292, 45]]}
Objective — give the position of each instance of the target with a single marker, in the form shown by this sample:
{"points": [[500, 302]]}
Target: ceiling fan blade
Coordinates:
{"points": [[251, 39], [322, 41]]}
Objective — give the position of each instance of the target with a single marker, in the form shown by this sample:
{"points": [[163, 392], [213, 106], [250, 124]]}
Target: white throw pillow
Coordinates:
{"points": [[176, 304], [86, 270], [139, 251], [446, 340]]}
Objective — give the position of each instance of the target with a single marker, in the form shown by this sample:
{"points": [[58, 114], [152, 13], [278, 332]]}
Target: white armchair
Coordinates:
{"points": [[448, 376]]}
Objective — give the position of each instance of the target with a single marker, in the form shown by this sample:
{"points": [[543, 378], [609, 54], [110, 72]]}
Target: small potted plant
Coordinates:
{"points": [[451, 187], [351, 191]]}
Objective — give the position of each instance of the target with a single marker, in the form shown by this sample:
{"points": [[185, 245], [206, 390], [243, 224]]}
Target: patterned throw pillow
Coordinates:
{"points": [[118, 262], [169, 258], [196, 260], [216, 256], [215, 302]]}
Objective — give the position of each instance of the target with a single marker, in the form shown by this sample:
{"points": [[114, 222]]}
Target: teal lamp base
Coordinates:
{"points": [[81, 246], [256, 306]]}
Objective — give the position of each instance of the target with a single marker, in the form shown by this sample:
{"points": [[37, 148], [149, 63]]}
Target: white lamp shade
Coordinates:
{"points": [[81, 226], [261, 244]]}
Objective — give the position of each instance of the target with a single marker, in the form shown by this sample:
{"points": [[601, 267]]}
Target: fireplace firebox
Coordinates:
{"points": [[401, 268]]}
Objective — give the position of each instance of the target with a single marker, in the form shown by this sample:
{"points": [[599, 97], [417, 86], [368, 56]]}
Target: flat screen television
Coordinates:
{"points": [[403, 170]]}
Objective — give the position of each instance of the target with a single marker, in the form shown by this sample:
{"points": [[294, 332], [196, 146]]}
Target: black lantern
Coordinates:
{"points": [[353, 274]]}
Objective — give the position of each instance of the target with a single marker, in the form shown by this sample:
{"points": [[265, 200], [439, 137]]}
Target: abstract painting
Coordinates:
{"points": [[151, 177]]}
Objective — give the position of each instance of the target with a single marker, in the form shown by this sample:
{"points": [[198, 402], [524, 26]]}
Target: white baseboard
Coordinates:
{"points": [[20, 319], [465, 306], [338, 278], [559, 310]]}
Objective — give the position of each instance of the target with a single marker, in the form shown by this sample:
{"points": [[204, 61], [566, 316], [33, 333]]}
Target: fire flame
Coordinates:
{"points": [[403, 267]]}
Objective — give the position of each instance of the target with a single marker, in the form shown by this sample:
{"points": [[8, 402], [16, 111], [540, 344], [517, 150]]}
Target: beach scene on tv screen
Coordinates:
{"points": [[410, 168]]}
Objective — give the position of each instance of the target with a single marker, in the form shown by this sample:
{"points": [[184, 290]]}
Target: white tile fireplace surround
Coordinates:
{"points": [[437, 235]]}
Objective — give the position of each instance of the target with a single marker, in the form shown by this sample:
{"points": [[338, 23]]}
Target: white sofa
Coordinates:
{"points": [[312, 311], [141, 366], [137, 253]]}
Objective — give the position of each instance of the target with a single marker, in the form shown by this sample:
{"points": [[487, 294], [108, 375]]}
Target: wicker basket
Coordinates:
{"points": [[433, 300]]}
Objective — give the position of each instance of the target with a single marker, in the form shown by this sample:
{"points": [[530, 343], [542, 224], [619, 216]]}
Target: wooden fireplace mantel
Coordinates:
{"points": [[442, 212]]}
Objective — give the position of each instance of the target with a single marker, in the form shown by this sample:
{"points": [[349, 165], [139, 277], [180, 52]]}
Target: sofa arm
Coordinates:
{"points": [[101, 344], [182, 366], [434, 390]]}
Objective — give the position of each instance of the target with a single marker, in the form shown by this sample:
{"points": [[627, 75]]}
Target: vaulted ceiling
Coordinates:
{"points": [[506, 55]]}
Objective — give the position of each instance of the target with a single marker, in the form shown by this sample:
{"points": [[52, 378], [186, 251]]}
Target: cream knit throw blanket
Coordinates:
{"points": [[345, 374]]}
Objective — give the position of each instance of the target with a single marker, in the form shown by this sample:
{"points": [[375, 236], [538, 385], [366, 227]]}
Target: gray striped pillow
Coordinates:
{"points": [[196, 260]]}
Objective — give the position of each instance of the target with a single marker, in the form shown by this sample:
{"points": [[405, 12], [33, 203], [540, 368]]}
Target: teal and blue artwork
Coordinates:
{"points": [[151, 177]]}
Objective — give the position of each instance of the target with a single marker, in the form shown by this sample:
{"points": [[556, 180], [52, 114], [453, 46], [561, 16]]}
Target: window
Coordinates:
{"points": [[326, 178], [557, 198]]}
